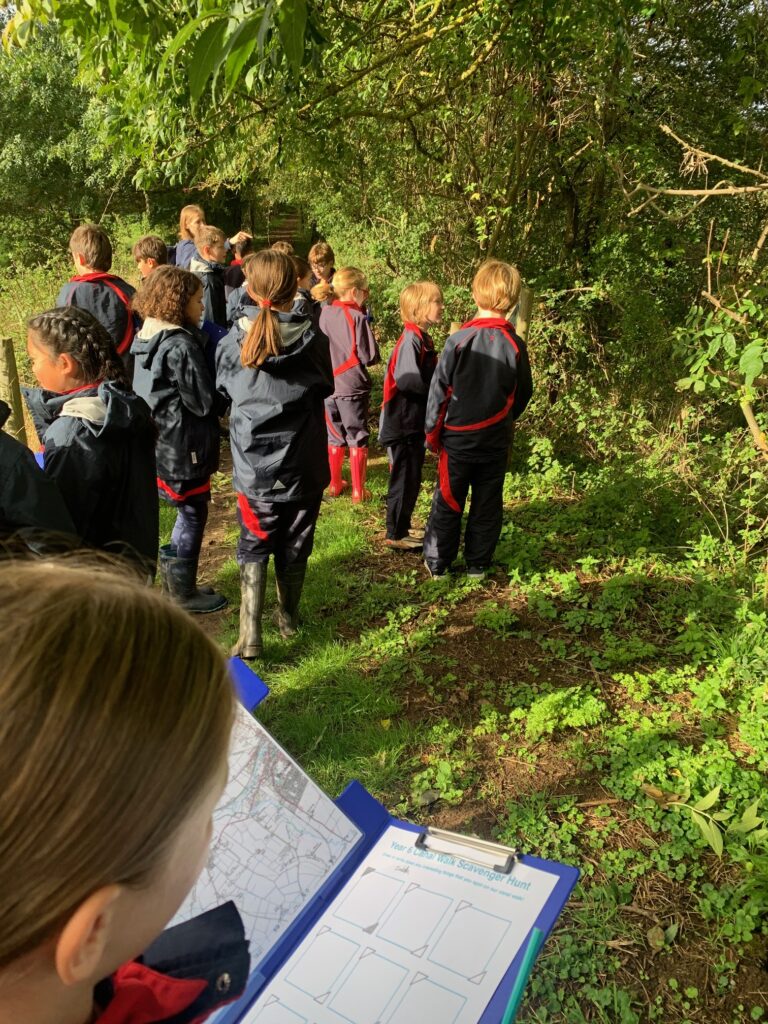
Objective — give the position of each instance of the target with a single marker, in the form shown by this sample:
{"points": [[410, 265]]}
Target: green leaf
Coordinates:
{"points": [[684, 383], [291, 22], [208, 54], [751, 362], [749, 819], [710, 831], [240, 47], [181, 38], [707, 801]]}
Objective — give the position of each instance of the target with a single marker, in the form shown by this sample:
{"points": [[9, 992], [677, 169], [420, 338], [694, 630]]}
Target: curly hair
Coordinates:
{"points": [[77, 333], [165, 295]]}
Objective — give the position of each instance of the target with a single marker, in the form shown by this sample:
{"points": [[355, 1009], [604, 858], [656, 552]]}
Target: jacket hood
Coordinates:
{"points": [[5, 412], [198, 265], [297, 333], [152, 335], [103, 408]]}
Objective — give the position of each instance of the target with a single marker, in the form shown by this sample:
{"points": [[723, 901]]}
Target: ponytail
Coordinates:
{"points": [[76, 332], [272, 282], [262, 340]]}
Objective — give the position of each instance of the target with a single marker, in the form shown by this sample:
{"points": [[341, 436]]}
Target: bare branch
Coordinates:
{"points": [[702, 154], [738, 317]]}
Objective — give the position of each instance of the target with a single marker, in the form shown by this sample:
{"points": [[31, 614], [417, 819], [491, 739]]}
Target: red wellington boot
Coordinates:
{"points": [[338, 484], [358, 463]]}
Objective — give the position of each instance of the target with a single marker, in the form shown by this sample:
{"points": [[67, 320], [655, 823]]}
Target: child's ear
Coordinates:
{"points": [[68, 365], [79, 260], [83, 939]]}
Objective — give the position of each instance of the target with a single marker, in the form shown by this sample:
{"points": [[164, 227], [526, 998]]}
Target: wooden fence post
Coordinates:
{"points": [[10, 391]]}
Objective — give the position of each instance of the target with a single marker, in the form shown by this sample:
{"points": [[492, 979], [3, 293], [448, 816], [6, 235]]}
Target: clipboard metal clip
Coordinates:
{"points": [[492, 856]]}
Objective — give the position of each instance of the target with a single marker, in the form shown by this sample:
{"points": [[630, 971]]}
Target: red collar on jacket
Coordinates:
{"points": [[488, 321], [81, 387], [348, 305], [236, 263], [97, 275], [143, 996], [415, 328]]}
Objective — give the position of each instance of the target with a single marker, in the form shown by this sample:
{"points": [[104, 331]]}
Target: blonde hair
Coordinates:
{"points": [[272, 281], [115, 716], [189, 213], [321, 252], [93, 244], [496, 286], [344, 280], [207, 235], [415, 299]]}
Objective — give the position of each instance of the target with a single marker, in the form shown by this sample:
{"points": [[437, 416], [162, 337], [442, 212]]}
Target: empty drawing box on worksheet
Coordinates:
{"points": [[355, 917]]}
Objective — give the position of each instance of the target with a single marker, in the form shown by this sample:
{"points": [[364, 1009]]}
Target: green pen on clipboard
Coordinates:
{"points": [[516, 996]]}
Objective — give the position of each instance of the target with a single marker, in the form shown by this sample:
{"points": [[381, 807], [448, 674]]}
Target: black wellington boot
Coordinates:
{"points": [[253, 587], [181, 577], [290, 583]]}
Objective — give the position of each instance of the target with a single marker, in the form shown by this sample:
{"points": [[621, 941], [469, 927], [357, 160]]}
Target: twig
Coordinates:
{"points": [[709, 253], [738, 317], [712, 156], [754, 426]]}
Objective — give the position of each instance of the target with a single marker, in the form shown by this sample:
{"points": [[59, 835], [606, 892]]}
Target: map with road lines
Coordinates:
{"points": [[276, 838]]}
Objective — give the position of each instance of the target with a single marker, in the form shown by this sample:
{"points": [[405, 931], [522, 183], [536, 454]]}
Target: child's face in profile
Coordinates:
{"points": [[193, 311], [53, 373], [435, 311], [146, 265], [306, 281], [216, 253]]}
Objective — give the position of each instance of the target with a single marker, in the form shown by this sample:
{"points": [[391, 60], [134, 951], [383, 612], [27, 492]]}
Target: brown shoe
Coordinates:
{"points": [[405, 544]]}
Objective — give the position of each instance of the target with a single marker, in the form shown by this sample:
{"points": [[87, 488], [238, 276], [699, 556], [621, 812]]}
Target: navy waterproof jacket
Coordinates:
{"points": [[109, 299], [353, 347], [28, 498], [406, 384], [482, 384], [187, 973], [277, 417], [214, 297], [99, 444], [171, 374]]}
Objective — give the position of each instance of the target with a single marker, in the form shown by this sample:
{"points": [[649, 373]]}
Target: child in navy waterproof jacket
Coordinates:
{"points": [[482, 384], [93, 288], [191, 219], [28, 498], [274, 369], [117, 712], [97, 435], [353, 348], [404, 408], [171, 374], [209, 265]]}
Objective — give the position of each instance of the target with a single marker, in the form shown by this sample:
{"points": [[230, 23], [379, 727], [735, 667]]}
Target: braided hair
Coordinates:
{"points": [[77, 333]]}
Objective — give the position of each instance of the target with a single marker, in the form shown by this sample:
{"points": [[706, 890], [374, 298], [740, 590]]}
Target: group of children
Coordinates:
{"points": [[103, 670], [133, 386]]}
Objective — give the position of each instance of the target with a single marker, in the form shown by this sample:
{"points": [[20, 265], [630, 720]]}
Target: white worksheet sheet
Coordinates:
{"points": [[415, 936], [276, 838]]}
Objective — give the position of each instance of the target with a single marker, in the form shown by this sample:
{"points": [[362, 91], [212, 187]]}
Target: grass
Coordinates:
{"points": [[611, 651]]}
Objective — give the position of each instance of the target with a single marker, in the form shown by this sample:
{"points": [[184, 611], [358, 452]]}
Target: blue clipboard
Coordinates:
{"points": [[250, 688], [373, 819]]}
